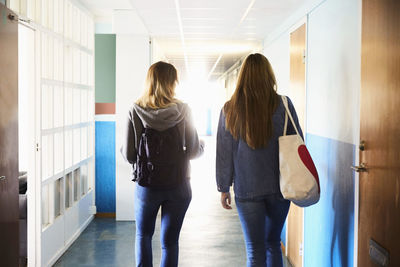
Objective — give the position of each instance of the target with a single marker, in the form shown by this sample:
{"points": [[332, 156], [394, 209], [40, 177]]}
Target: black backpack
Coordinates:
{"points": [[161, 159]]}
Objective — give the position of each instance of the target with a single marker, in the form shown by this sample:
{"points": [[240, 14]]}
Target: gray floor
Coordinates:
{"points": [[210, 236]]}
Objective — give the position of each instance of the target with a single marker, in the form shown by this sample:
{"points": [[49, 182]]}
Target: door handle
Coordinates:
{"points": [[361, 168], [11, 17], [2, 178]]}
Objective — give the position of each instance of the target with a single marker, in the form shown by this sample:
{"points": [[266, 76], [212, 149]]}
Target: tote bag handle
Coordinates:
{"points": [[287, 113]]}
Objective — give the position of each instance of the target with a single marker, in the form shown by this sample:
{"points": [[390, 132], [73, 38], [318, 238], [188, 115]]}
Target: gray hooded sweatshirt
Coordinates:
{"points": [[160, 119]]}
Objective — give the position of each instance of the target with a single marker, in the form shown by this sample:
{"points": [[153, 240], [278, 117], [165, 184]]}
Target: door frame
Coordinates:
{"points": [[294, 27], [33, 196], [357, 155]]}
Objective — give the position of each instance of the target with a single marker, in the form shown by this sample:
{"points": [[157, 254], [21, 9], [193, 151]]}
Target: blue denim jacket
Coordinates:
{"points": [[254, 173]]}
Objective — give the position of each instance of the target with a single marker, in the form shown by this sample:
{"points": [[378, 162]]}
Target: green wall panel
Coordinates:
{"points": [[105, 68]]}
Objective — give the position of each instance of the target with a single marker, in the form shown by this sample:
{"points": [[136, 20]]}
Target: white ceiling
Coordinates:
{"points": [[201, 31]]}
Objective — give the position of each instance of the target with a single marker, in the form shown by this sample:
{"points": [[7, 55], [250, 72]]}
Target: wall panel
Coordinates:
{"points": [[105, 68], [278, 55], [129, 86], [329, 225], [105, 166], [334, 40], [105, 130]]}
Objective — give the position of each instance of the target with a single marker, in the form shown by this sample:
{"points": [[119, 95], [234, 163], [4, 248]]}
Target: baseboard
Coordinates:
{"points": [[70, 242], [105, 215]]}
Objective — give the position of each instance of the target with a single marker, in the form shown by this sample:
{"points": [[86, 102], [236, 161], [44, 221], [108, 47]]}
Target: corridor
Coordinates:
{"points": [[70, 71]]}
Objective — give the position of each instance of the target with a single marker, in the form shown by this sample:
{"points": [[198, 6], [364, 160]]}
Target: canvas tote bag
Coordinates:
{"points": [[299, 180]]}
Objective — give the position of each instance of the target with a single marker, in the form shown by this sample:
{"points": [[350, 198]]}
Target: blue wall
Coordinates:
{"points": [[105, 166], [329, 225]]}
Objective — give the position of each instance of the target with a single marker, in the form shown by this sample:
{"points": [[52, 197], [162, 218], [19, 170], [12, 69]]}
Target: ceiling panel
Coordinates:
{"points": [[114, 4], [153, 4], [210, 27], [105, 7]]}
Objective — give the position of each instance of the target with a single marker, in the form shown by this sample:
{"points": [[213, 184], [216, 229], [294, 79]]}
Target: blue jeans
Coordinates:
{"points": [[262, 221], [174, 204]]}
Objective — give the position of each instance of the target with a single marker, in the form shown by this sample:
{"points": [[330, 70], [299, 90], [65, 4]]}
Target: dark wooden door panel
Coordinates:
{"points": [[9, 210], [379, 217]]}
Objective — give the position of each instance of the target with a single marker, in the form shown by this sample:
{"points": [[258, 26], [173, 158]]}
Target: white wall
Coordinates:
{"points": [[334, 71], [278, 55], [132, 63], [128, 22]]}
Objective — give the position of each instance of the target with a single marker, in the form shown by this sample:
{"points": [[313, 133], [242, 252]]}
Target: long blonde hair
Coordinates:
{"points": [[249, 111], [160, 86]]}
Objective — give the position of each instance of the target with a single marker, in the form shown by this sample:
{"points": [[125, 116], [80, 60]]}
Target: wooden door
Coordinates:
{"points": [[298, 95], [9, 209], [379, 206]]}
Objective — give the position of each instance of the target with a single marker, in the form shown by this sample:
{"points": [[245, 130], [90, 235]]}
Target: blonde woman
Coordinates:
{"points": [[159, 110], [248, 157]]}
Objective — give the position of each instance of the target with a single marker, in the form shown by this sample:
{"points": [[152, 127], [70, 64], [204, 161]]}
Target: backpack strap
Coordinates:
{"points": [[139, 128]]}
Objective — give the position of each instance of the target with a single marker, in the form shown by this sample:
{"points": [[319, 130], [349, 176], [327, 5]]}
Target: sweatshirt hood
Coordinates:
{"points": [[161, 119]]}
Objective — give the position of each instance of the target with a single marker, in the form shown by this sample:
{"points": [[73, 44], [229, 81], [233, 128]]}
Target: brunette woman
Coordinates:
{"points": [[248, 158]]}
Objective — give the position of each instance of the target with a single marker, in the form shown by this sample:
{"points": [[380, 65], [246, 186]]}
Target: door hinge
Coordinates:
{"points": [[37, 147]]}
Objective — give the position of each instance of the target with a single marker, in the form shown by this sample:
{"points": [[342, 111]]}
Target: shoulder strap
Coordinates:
{"points": [[137, 134], [287, 113]]}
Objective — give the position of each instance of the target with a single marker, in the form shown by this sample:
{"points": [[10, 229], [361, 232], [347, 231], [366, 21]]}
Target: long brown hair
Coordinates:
{"points": [[249, 111], [161, 81]]}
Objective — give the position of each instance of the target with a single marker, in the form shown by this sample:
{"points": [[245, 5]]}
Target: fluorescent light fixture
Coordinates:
{"points": [[199, 27], [202, 33], [178, 14], [247, 11], [202, 38], [214, 66], [204, 19]]}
